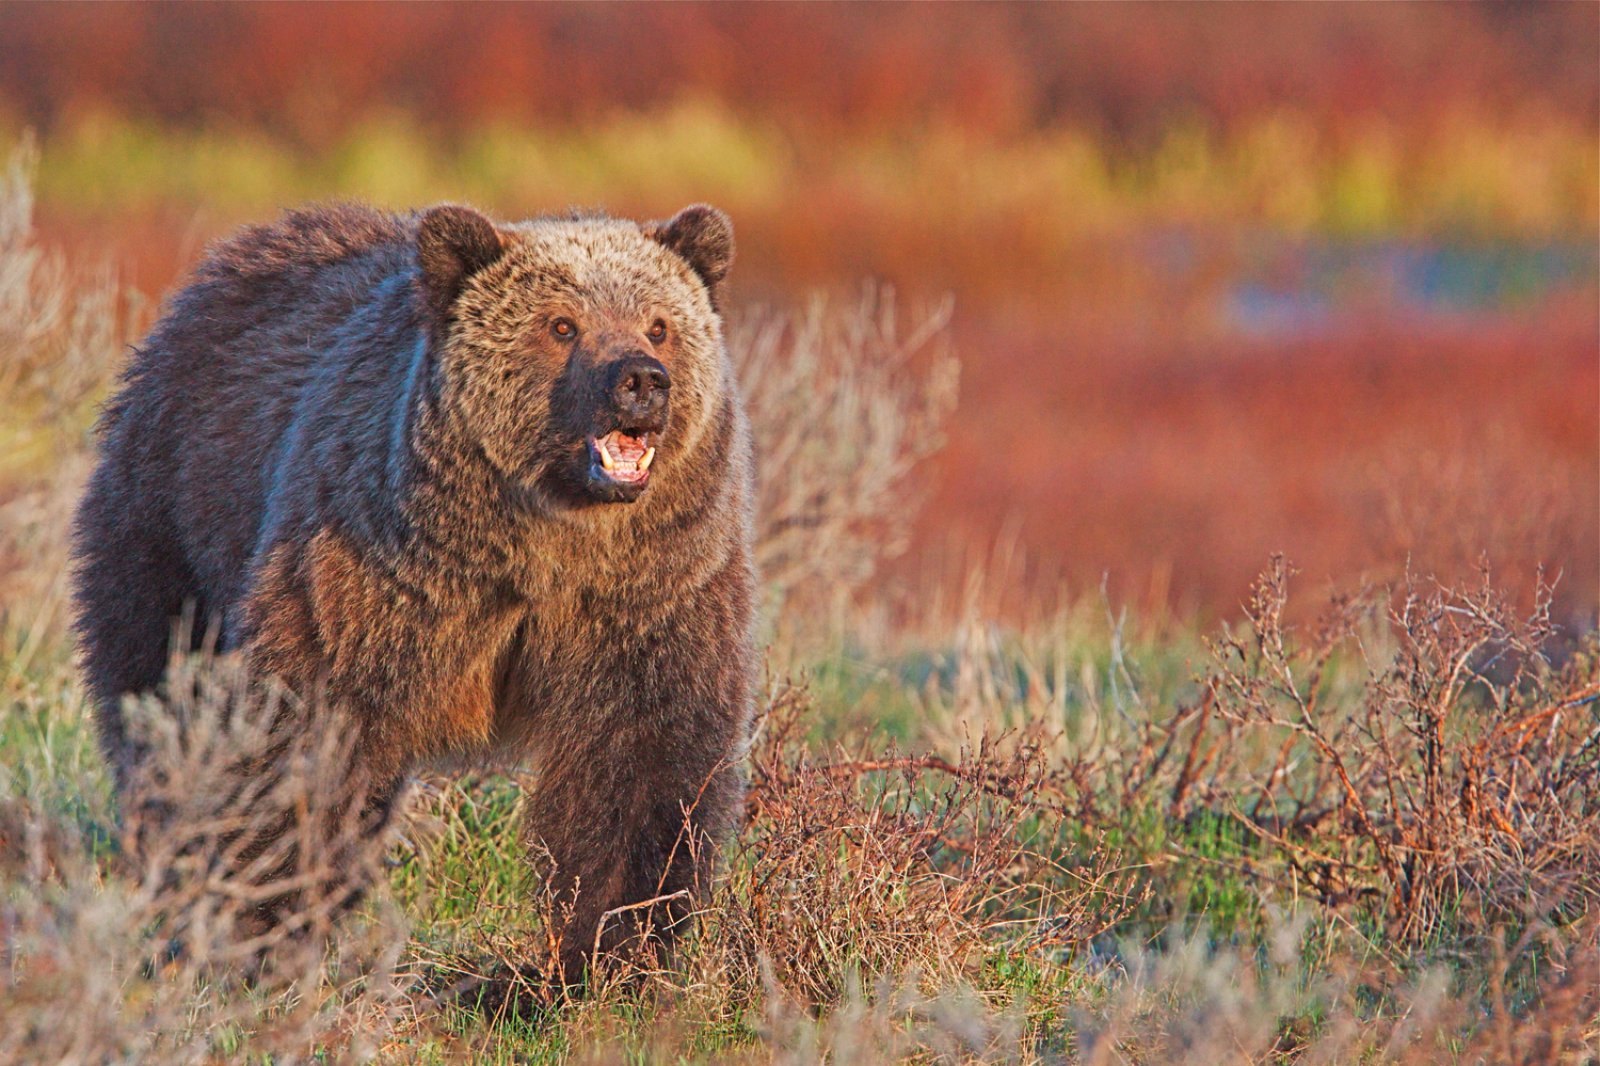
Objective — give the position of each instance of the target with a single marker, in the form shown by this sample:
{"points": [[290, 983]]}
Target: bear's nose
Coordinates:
{"points": [[638, 386]]}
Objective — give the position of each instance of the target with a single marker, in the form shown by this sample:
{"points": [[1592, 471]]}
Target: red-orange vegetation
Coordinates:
{"points": [[314, 73], [1174, 465]]}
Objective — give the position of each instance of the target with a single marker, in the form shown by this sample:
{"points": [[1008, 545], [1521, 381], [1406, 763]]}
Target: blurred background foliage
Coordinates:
{"points": [[1228, 279]]}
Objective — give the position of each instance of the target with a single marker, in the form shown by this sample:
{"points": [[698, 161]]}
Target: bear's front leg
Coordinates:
{"points": [[627, 823], [635, 792], [374, 662]]}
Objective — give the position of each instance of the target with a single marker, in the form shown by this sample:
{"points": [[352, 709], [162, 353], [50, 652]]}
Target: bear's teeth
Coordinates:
{"points": [[645, 459], [605, 455]]}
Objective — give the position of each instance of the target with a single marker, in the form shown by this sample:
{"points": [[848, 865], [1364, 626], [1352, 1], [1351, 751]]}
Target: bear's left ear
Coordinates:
{"points": [[453, 243], [703, 236]]}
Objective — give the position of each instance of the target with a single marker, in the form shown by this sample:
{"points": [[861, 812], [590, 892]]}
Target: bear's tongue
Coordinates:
{"points": [[624, 457]]}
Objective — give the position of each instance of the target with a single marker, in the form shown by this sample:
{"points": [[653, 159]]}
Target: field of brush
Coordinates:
{"points": [[987, 820]]}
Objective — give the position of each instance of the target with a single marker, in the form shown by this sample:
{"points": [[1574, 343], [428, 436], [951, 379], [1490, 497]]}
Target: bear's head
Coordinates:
{"points": [[583, 354]]}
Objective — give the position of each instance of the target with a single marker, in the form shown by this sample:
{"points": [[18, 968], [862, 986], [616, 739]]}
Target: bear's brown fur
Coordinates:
{"points": [[400, 462]]}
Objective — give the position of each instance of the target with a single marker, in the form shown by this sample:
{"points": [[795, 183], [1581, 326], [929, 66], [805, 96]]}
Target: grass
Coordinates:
{"points": [[1369, 836]]}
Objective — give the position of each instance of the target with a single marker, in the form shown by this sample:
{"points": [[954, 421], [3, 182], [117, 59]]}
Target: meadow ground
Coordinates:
{"points": [[1359, 826]]}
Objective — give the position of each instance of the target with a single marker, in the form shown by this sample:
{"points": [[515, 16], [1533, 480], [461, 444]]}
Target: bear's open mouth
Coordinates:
{"points": [[624, 456]]}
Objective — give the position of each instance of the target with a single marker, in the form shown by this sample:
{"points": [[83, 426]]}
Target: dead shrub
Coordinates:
{"points": [[872, 863], [845, 402], [59, 334], [1457, 785], [251, 808], [1194, 1004], [235, 806], [892, 1022]]}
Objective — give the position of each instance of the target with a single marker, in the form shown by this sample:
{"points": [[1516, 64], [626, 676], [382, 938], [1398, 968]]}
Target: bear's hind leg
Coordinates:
{"points": [[132, 587]]}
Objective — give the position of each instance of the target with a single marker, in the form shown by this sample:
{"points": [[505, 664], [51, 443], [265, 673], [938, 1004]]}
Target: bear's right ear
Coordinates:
{"points": [[453, 243]]}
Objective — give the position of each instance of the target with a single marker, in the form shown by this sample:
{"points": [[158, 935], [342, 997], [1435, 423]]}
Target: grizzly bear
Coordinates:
{"points": [[485, 486]]}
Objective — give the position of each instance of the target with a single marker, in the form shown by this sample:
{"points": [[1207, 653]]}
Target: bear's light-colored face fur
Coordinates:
{"points": [[536, 337]]}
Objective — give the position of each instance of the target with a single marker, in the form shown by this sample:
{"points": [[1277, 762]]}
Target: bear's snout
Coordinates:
{"points": [[632, 418], [638, 387]]}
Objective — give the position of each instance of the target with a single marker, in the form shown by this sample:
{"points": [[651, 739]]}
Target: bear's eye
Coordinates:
{"points": [[564, 328], [658, 331]]}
